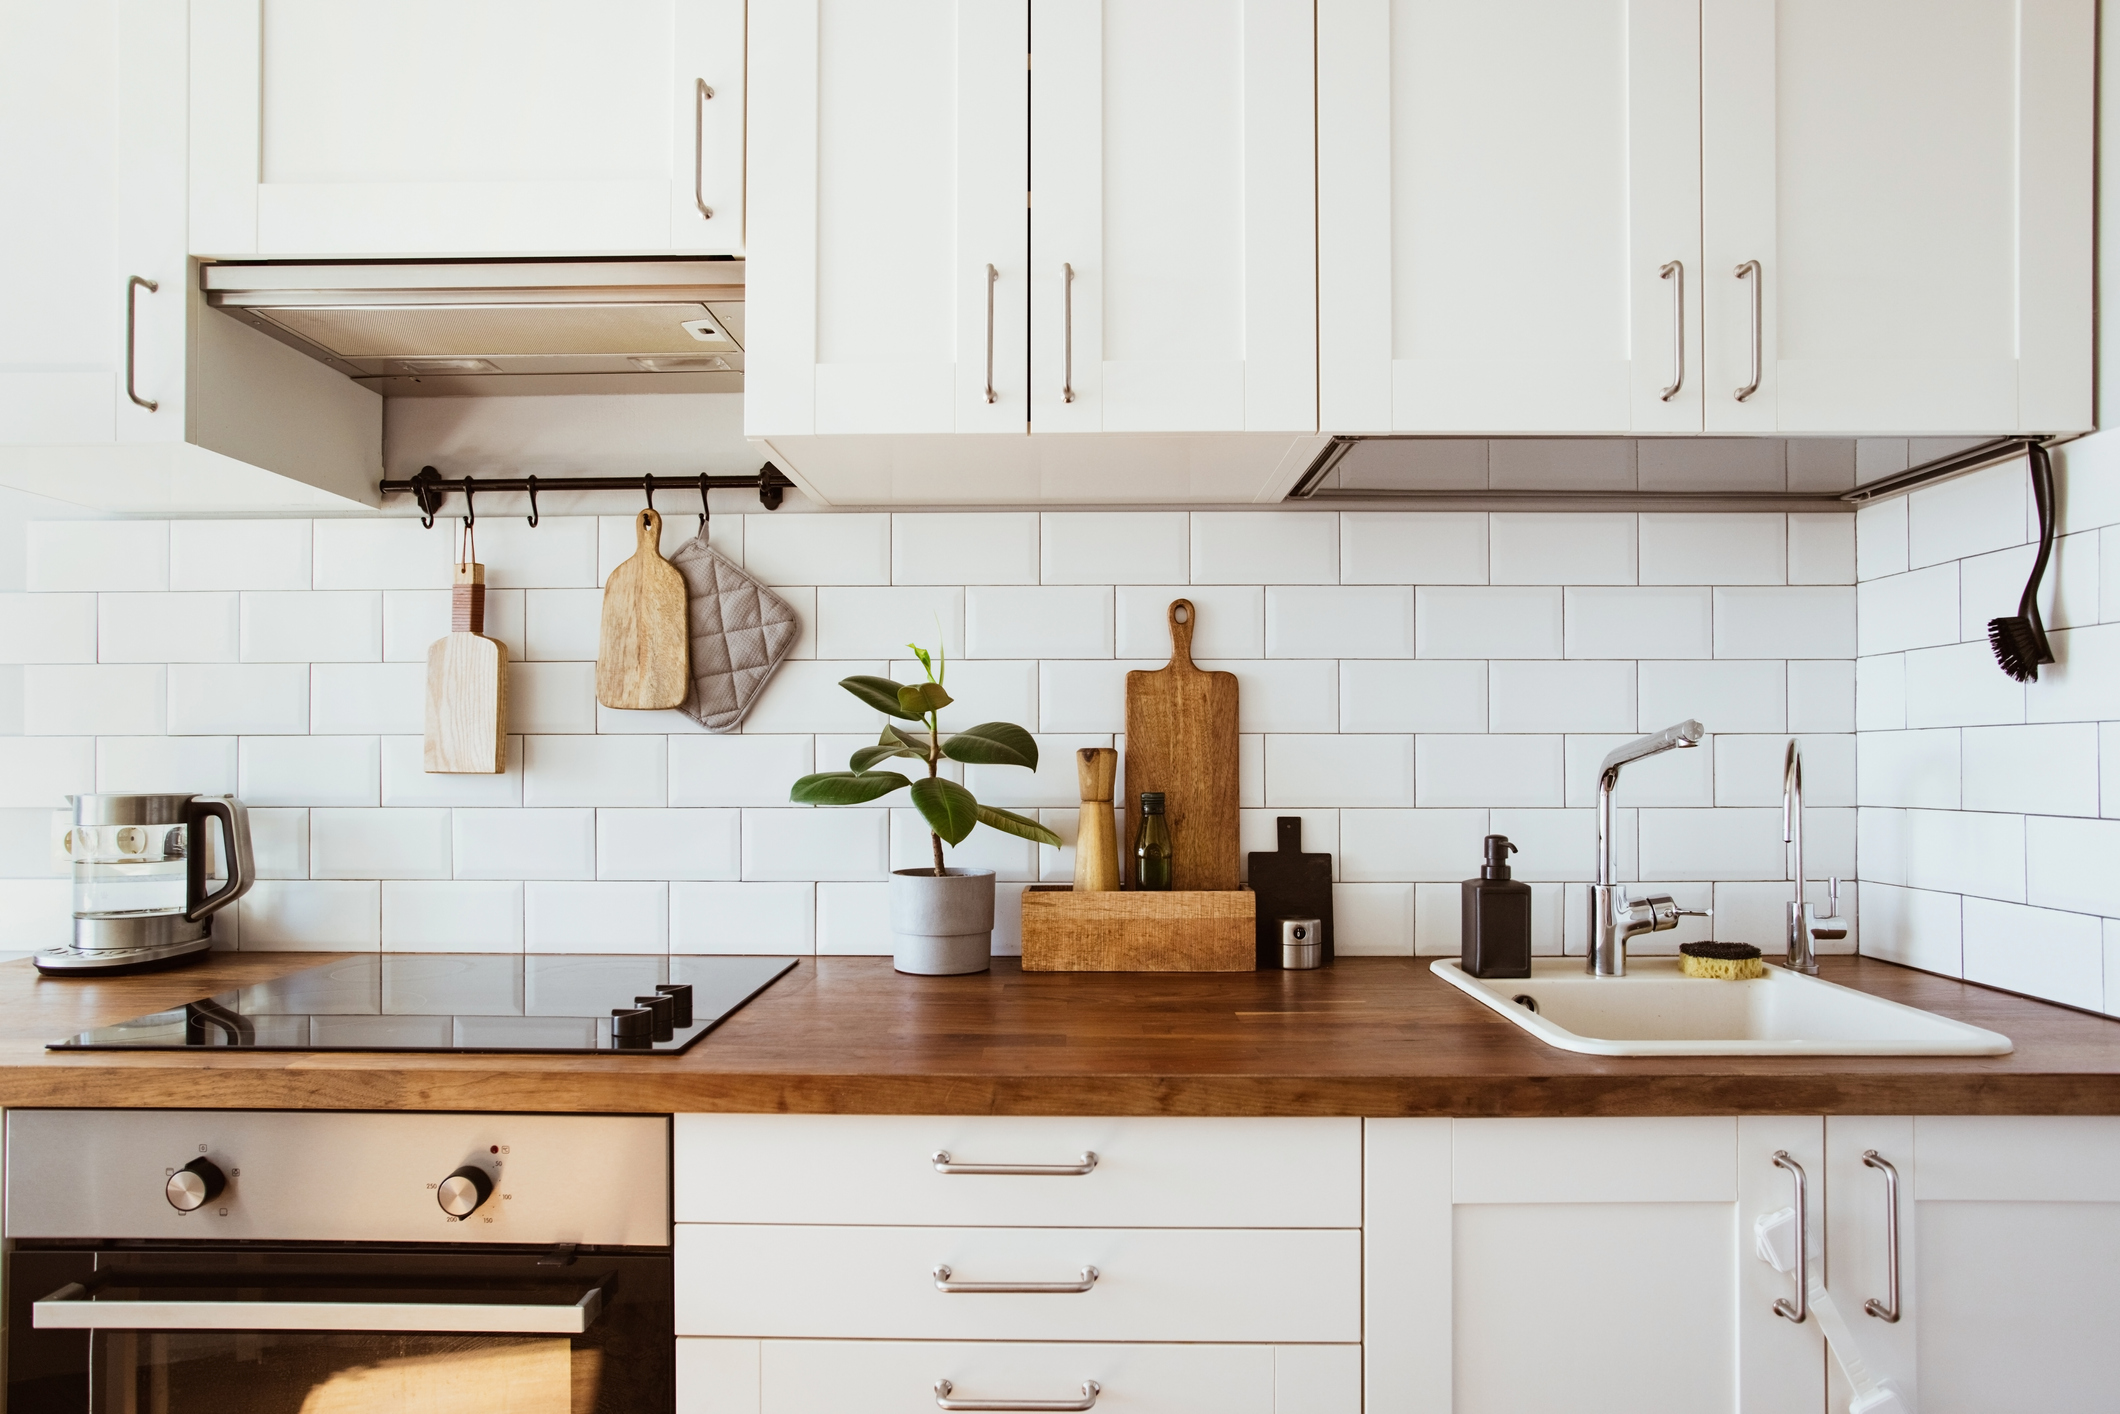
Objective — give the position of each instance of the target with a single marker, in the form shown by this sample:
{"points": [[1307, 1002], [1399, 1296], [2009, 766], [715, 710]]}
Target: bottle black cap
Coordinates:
{"points": [[1151, 802], [1498, 851]]}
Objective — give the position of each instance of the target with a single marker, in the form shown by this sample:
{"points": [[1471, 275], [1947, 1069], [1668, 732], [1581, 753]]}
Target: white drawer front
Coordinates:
{"points": [[888, 1377], [1149, 1172], [879, 1283]]}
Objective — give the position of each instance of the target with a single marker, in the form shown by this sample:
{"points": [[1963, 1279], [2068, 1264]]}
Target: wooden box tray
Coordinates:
{"points": [[1185, 930]]}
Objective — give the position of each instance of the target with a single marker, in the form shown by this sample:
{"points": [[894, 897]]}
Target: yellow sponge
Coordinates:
{"points": [[1727, 962]]}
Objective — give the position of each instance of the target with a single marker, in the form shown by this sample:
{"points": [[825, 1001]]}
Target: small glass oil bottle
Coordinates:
{"points": [[1152, 845]]}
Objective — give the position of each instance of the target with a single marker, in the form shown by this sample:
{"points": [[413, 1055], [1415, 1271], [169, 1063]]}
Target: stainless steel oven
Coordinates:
{"points": [[178, 1262]]}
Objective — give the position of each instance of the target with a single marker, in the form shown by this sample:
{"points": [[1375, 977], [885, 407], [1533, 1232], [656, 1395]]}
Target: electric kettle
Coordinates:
{"points": [[142, 866]]}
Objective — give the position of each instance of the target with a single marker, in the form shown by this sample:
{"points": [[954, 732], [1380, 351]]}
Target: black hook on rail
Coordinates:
{"points": [[427, 495], [470, 515], [706, 512], [647, 484], [532, 488]]}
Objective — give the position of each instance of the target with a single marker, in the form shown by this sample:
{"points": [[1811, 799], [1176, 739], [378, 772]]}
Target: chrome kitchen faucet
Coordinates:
{"points": [[1614, 918], [1803, 919]]}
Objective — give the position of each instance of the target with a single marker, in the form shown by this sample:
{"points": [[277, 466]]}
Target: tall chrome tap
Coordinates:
{"points": [[1804, 924], [1614, 917]]}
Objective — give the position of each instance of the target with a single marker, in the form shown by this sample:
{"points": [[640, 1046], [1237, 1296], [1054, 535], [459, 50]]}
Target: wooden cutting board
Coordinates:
{"points": [[644, 653], [1290, 884], [1181, 739], [467, 687]]}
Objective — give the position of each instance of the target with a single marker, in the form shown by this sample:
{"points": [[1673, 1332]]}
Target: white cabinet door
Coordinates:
{"points": [[482, 127], [887, 289], [2009, 1257], [1501, 189], [1172, 171], [1582, 1264], [1914, 178]]}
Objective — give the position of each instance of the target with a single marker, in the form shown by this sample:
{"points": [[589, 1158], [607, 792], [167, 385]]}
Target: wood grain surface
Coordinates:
{"points": [[1096, 831], [847, 1035], [467, 687], [644, 650], [1066, 931], [1181, 739]]}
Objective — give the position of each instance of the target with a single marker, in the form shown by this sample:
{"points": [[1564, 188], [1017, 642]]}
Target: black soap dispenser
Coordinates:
{"points": [[1497, 918]]}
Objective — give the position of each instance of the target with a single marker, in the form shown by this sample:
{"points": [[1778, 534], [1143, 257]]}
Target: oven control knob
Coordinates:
{"points": [[195, 1185], [461, 1192]]}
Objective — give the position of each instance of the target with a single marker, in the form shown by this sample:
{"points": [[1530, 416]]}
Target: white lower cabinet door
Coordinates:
{"points": [[2008, 1257], [1585, 1265], [906, 1377], [1098, 1283]]}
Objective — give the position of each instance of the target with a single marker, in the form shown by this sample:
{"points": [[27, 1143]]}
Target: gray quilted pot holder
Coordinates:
{"points": [[740, 632]]}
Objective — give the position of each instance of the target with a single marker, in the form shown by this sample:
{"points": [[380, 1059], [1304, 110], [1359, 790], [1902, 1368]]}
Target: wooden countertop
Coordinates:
{"points": [[1370, 1036]]}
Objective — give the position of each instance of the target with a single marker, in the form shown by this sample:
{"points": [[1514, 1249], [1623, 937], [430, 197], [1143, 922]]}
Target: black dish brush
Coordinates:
{"points": [[2020, 642]]}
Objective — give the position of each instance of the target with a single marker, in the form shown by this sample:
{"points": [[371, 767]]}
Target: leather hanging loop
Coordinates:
{"points": [[531, 483]]}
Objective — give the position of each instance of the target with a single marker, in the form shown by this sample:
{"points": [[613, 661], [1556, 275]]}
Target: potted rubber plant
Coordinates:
{"points": [[942, 919]]}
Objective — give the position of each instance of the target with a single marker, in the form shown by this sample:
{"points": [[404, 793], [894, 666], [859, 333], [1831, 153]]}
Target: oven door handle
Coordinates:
{"points": [[69, 1308]]}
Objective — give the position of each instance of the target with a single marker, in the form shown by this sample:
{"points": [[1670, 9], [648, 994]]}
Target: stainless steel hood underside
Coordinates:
{"points": [[507, 327]]}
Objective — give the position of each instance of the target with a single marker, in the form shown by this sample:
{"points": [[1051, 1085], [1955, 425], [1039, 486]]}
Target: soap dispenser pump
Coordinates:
{"points": [[1497, 917]]}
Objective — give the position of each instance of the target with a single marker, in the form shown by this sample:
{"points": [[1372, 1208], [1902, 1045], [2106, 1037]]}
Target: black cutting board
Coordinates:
{"points": [[1290, 884]]}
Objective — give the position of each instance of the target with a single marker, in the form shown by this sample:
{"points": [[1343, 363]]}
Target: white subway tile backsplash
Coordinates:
{"points": [[983, 547], [879, 623], [2109, 769], [279, 843], [838, 549], [2081, 685], [1912, 926], [805, 696], [2069, 595], [1438, 695], [1821, 548], [1881, 693], [379, 844], [1053, 784], [562, 625], [166, 628], [559, 552], [1265, 547], [1432, 845], [1333, 770], [1785, 623], [1413, 547], [94, 699], [1729, 695], [1115, 547], [818, 843], [1288, 695], [239, 554], [1372, 920], [384, 553], [97, 555], [347, 699], [743, 918], [523, 844], [596, 770], [1678, 778], [1005, 622], [40, 772], [1960, 686], [627, 721], [36, 914], [302, 915], [1966, 852], [2036, 951], [1918, 610], [2036, 770], [1881, 539], [1496, 771], [452, 916], [1086, 694], [1560, 696], [1552, 845], [1881, 844], [1821, 695], [913, 847], [1573, 547], [1748, 769], [1662, 623], [2108, 575], [1914, 768], [618, 539], [1757, 913], [596, 917], [1733, 548], [1230, 623], [1712, 844], [2070, 864], [1510, 622], [669, 844], [1967, 515], [202, 765], [1339, 622], [344, 626], [740, 770], [238, 699], [551, 697], [47, 628], [855, 919], [310, 770]]}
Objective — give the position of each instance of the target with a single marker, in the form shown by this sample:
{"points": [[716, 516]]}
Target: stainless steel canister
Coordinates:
{"points": [[1302, 944]]}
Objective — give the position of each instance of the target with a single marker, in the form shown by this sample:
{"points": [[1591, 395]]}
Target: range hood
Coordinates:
{"points": [[506, 327]]}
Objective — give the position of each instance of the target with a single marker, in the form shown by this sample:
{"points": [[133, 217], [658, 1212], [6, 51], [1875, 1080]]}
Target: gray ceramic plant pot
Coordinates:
{"points": [[943, 925]]}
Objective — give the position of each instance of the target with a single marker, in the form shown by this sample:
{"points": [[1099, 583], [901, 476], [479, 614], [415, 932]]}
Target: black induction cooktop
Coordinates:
{"points": [[471, 1003]]}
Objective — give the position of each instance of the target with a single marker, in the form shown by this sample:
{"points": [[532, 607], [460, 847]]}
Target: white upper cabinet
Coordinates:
{"points": [[1509, 215], [1172, 242], [479, 127], [888, 285], [1914, 179]]}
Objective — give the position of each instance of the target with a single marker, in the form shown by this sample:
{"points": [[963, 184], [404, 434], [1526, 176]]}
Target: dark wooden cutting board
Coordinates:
{"points": [[1290, 884]]}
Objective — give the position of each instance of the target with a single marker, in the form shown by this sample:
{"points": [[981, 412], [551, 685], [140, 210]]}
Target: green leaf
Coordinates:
{"points": [[1009, 822], [880, 693], [922, 698], [915, 742], [845, 787], [868, 756], [993, 744], [947, 807]]}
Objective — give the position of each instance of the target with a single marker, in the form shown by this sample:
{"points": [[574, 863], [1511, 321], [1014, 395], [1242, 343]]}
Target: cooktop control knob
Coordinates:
{"points": [[195, 1185], [461, 1192]]}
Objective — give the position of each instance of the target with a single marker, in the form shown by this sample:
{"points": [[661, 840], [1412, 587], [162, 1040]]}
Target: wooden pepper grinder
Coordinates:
{"points": [[1096, 835], [467, 685]]}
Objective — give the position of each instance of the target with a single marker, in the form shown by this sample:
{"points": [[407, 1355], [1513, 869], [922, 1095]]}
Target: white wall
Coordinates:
{"points": [[1409, 682]]}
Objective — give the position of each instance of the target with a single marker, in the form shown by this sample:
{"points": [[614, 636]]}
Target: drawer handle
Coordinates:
{"points": [[1090, 1390], [989, 1288], [945, 1164]]}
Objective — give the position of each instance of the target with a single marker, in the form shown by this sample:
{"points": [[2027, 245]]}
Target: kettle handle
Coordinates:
{"points": [[235, 835]]}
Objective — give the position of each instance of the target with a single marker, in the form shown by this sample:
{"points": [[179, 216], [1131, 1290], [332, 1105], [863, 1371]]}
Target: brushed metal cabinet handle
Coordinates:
{"points": [[132, 288], [1750, 269], [991, 276], [1067, 332], [1090, 1390], [1887, 1310], [1675, 271], [944, 1283], [1802, 1306], [945, 1164], [700, 94]]}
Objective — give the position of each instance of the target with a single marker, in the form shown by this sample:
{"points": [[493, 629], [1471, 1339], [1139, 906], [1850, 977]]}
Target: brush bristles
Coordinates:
{"points": [[2016, 647]]}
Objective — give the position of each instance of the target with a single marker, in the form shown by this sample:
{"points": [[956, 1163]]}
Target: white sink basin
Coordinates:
{"points": [[1655, 1010]]}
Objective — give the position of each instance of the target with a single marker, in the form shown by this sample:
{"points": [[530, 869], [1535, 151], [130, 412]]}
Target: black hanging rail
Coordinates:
{"points": [[429, 487]]}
